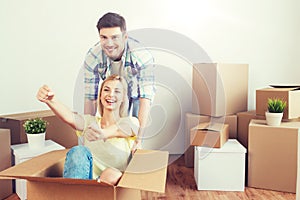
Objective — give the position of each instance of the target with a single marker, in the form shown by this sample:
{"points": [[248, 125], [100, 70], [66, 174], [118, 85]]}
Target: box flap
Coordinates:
{"points": [[146, 171], [285, 86], [48, 164], [209, 126]]}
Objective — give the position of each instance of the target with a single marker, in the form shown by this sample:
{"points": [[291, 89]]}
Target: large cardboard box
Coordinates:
{"points": [[289, 94], [57, 130], [5, 162], [207, 134], [219, 89], [21, 153], [220, 169], [146, 171], [272, 155], [192, 120]]}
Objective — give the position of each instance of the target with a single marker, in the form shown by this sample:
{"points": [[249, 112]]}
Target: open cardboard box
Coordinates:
{"points": [[146, 171], [207, 134]]}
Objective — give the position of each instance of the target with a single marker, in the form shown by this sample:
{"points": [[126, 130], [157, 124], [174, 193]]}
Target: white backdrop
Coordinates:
{"points": [[44, 42]]}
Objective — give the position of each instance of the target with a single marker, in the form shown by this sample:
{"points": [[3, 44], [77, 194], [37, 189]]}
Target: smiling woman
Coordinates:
{"points": [[108, 139]]}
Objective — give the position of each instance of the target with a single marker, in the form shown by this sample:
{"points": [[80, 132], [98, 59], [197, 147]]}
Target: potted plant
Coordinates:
{"points": [[274, 114], [35, 130]]}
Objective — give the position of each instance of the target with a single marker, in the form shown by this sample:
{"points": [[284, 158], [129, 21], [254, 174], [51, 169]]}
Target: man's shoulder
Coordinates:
{"points": [[139, 53], [95, 50]]}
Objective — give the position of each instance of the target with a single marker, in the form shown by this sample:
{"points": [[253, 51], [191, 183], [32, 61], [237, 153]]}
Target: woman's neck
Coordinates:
{"points": [[109, 118]]}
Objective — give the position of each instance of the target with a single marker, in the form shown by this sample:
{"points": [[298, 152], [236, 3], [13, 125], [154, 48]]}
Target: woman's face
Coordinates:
{"points": [[112, 95]]}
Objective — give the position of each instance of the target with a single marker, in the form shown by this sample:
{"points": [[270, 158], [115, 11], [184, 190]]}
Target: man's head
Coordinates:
{"points": [[113, 36]]}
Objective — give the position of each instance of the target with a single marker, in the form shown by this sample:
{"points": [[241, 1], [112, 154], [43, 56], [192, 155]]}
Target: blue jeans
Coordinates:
{"points": [[79, 163], [135, 105]]}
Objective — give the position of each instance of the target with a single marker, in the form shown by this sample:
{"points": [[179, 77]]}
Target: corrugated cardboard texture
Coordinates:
{"points": [[57, 130], [272, 157], [146, 165], [291, 95], [5, 162], [209, 135], [43, 174], [213, 85]]}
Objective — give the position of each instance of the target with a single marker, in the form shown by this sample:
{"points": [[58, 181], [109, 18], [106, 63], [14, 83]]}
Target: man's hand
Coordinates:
{"points": [[136, 145], [94, 132]]}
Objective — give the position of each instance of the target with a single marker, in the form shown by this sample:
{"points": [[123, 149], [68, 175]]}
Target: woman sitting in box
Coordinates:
{"points": [[107, 139]]}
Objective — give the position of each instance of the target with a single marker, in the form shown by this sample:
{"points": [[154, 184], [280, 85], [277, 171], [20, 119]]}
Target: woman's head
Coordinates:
{"points": [[113, 95]]}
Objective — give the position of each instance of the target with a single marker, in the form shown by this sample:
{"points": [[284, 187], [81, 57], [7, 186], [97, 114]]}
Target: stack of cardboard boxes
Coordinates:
{"points": [[220, 92], [273, 151]]}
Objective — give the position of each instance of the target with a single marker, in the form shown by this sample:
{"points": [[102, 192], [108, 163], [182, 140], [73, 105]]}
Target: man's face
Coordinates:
{"points": [[113, 42]]}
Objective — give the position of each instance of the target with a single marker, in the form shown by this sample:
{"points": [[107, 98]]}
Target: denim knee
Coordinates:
{"points": [[78, 163]]}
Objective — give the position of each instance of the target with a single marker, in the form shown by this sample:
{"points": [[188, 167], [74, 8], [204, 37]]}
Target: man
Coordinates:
{"points": [[114, 54]]}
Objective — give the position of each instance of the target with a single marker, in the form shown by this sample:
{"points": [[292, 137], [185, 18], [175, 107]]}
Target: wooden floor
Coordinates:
{"points": [[181, 186]]}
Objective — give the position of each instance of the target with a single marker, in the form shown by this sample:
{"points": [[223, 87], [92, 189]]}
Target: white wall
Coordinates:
{"points": [[46, 41]]}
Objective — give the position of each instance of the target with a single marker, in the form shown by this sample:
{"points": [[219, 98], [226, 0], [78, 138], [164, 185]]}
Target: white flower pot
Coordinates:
{"points": [[36, 141], [274, 119]]}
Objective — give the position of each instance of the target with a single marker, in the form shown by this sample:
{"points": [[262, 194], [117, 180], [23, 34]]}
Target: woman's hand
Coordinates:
{"points": [[45, 94], [94, 132]]}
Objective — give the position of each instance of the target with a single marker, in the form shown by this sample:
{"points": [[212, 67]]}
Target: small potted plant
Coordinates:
{"points": [[35, 130], [274, 114]]}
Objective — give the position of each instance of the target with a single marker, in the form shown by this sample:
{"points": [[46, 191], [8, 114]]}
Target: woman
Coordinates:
{"points": [[107, 139]]}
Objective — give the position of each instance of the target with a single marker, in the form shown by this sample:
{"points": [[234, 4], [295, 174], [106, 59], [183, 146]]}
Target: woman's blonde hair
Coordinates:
{"points": [[124, 104]]}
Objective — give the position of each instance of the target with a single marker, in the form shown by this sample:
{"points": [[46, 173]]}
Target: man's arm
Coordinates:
{"points": [[90, 107], [143, 115]]}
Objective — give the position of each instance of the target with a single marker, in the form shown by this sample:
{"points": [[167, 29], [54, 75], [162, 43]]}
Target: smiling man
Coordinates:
{"points": [[115, 54]]}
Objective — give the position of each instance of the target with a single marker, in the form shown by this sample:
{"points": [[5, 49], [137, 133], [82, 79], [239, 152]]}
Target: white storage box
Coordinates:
{"points": [[22, 153], [220, 169]]}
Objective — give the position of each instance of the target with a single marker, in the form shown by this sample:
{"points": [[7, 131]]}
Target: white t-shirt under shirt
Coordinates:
{"points": [[114, 152]]}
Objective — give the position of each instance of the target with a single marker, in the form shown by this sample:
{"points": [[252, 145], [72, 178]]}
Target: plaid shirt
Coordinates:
{"points": [[138, 71]]}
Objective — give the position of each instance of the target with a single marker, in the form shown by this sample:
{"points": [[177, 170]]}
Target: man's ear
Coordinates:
{"points": [[126, 35]]}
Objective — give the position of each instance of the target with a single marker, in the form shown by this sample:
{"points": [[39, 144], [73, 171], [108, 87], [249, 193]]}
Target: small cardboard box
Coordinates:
{"points": [[192, 120], [209, 135], [5, 162], [272, 155], [146, 171], [290, 94], [219, 89], [57, 130], [220, 169]]}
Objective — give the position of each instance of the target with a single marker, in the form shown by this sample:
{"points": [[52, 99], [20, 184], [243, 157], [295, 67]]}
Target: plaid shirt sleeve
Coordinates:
{"points": [[91, 74], [144, 62]]}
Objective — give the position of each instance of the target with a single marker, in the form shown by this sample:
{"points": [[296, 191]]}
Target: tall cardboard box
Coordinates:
{"points": [[290, 94], [221, 169], [57, 130], [272, 155], [5, 162], [219, 89], [192, 120], [147, 171]]}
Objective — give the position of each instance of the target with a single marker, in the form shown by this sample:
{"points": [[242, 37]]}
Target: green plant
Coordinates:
{"points": [[276, 105], [35, 126]]}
